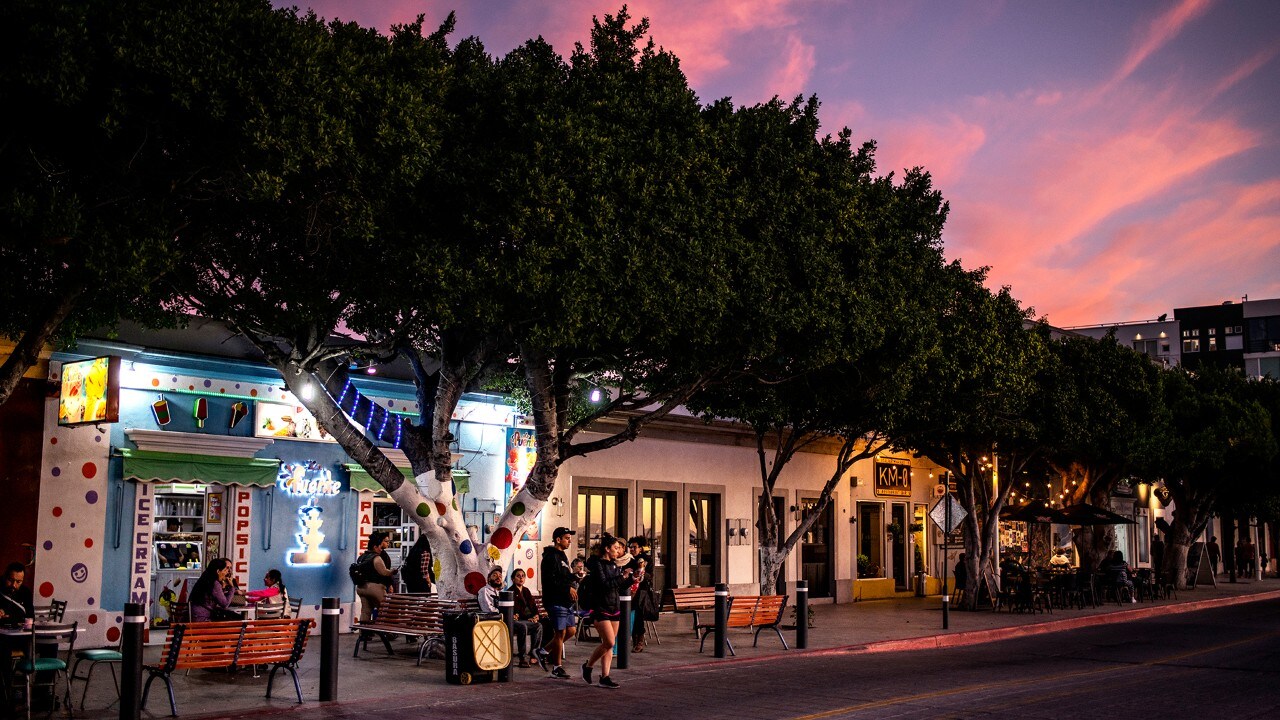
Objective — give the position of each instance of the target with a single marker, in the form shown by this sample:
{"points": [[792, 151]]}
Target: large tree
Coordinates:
{"points": [[103, 158], [1098, 405], [1216, 445], [851, 289], [976, 410], [558, 218]]}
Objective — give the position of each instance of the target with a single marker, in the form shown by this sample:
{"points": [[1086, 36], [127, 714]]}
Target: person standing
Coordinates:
{"points": [[417, 572], [1157, 554], [559, 595], [604, 580], [1215, 553], [641, 590], [376, 574]]}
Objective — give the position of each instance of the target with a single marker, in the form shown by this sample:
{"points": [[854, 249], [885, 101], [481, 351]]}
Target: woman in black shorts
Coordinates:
{"points": [[604, 579]]}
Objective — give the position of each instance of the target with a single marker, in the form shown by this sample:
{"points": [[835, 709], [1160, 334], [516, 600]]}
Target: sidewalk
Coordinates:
{"points": [[894, 625]]}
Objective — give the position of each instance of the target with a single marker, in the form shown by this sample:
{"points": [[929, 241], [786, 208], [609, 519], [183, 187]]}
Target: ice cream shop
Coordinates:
{"points": [[200, 458]]}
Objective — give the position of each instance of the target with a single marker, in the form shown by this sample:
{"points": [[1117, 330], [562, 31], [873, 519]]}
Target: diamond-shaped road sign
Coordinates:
{"points": [[947, 513]]}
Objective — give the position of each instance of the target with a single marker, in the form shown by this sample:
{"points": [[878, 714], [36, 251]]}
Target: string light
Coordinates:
{"points": [[383, 428], [399, 427]]}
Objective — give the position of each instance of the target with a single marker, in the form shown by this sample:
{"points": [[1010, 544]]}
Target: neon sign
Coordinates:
{"points": [[310, 480], [307, 480]]}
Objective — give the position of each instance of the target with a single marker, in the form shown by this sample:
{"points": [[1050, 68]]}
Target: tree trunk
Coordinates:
{"points": [[34, 337], [771, 560], [1094, 543]]}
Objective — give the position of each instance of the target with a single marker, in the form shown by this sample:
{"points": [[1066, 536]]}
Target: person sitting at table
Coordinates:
{"points": [[274, 595], [15, 597], [1059, 559], [1119, 575], [210, 597]]}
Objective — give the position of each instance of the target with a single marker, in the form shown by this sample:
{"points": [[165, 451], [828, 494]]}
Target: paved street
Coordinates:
{"points": [[1220, 662]]}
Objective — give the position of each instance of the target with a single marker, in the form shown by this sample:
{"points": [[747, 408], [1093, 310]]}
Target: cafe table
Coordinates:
{"points": [[36, 631]]}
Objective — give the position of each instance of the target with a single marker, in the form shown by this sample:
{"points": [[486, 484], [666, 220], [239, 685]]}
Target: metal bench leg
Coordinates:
{"points": [[271, 678], [386, 641], [173, 704], [702, 644]]}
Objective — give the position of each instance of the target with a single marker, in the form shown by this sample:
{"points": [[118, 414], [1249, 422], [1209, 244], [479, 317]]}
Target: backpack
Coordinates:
{"points": [[587, 593], [360, 569]]}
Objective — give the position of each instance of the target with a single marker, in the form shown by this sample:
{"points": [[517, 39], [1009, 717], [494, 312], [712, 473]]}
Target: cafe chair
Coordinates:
{"points": [[95, 657], [295, 607], [53, 612], [33, 667]]}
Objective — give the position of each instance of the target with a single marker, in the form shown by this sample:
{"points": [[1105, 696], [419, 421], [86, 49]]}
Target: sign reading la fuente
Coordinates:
{"points": [[893, 479]]}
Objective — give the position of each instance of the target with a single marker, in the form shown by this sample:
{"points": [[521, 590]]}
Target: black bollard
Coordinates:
{"points": [[722, 617], [330, 612], [507, 606], [135, 621], [946, 606], [624, 632], [802, 614]]}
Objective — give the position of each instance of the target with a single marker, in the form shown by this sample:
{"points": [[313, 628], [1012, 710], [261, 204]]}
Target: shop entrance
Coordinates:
{"points": [[656, 510], [600, 511], [704, 539], [899, 546], [815, 551]]}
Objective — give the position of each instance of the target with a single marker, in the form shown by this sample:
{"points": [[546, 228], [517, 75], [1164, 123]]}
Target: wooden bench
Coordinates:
{"points": [[689, 600], [753, 612], [768, 616], [408, 615], [232, 645]]}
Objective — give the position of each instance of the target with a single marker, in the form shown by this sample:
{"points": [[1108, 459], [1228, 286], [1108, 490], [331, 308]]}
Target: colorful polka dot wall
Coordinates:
{"points": [[149, 378], [72, 522]]}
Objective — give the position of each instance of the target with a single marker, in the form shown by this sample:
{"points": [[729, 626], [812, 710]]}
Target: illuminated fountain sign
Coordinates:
{"points": [[311, 481]]}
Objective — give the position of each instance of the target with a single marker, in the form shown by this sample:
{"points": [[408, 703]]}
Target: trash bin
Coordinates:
{"points": [[476, 646]]}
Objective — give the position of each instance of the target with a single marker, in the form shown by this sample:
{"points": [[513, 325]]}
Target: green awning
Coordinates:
{"points": [[361, 480], [151, 466]]}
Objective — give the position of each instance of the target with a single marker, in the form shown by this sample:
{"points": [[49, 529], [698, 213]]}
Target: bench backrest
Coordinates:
{"points": [[225, 644], [415, 612], [691, 598], [769, 610], [742, 610]]}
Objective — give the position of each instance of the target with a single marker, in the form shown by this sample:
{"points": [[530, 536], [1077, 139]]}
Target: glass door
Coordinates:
{"points": [[655, 524], [600, 511], [815, 551], [899, 541], [704, 539], [870, 540]]}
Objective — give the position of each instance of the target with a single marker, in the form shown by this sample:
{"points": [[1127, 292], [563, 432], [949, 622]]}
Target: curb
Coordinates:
{"points": [[978, 637]]}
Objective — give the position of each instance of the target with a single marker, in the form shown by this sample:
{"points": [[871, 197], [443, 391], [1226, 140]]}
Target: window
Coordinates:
{"points": [[1232, 330], [1195, 333], [1190, 346], [1213, 343], [1164, 348], [1212, 331]]}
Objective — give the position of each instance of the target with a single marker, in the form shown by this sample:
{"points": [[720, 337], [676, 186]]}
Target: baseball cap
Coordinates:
{"points": [[562, 531]]}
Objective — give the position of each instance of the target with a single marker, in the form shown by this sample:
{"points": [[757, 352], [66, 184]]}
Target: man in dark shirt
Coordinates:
{"points": [[558, 597], [15, 597]]}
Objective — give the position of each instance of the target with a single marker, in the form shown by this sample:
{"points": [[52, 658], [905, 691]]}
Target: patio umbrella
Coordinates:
{"points": [[1085, 514], [1035, 511]]}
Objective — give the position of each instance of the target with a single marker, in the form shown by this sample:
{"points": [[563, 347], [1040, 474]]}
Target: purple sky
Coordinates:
{"points": [[1109, 160]]}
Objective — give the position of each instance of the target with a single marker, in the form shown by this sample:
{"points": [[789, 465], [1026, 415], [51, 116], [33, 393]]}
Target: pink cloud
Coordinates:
{"points": [[792, 77], [1158, 33]]}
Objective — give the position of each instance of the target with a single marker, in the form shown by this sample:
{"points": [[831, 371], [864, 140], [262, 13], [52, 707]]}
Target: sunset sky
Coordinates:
{"points": [[1109, 160]]}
